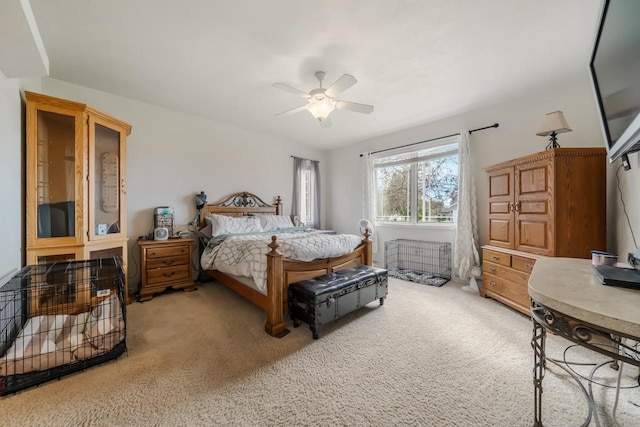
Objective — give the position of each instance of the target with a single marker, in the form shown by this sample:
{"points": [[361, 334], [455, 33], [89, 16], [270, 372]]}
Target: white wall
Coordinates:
{"points": [[172, 156], [11, 176], [516, 136]]}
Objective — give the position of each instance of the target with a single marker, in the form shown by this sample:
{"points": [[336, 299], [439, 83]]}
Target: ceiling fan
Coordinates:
{"points": [[321, 101]]}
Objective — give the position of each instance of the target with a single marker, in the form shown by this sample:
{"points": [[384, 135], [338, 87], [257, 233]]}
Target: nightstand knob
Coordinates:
{"points": [[169, 274], [168, 262]]}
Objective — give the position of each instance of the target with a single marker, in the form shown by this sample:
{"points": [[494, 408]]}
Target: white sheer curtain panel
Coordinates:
{"points": [[466, 255], [369, 195]]}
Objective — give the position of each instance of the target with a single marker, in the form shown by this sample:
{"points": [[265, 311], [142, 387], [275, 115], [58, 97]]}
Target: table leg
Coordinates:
{"points": [[537, 343]]}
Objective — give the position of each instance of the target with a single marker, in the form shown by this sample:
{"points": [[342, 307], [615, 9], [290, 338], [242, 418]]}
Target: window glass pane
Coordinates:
{"points": [[393, 187], [438, 190]]}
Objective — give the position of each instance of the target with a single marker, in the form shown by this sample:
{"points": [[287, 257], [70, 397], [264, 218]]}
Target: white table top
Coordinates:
{"points": [[570, 286]]}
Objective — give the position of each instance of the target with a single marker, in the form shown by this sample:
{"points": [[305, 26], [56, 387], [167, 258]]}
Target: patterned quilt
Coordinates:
{"points": [[245, 255]]}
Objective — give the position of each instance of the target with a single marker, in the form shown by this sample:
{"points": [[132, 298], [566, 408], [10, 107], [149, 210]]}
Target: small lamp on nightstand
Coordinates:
{"points": [[554, 123], [200, 200]]}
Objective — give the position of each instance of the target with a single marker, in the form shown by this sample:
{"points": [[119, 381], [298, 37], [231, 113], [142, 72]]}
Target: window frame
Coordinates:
{"points": [[452, 141]]}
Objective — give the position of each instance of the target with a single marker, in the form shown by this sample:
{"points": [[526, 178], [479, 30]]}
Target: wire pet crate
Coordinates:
{"points": [[60, 318], [418, 261]]}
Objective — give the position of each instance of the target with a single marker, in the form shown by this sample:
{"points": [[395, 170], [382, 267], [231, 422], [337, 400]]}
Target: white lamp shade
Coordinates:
{"points": [[321, 108], [553, 122]]}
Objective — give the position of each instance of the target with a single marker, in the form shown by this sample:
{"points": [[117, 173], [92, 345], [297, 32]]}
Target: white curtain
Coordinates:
{"points": [[369, 195], [466, 255]]}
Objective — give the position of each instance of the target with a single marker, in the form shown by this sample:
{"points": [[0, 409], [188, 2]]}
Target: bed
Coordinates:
{"points": [[280, 270]]}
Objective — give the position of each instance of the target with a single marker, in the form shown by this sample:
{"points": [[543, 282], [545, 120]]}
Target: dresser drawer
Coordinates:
{"points": [[167, 274], [522, 263], [496, 257], [516, 292], [170, 251], [167, 262], [506, 273]]}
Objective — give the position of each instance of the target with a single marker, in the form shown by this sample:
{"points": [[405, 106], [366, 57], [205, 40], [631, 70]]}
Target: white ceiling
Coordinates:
{"points": [[415, 61]]}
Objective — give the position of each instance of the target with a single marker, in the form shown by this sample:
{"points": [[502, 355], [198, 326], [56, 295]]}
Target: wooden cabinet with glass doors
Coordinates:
{"points": [[76, 176]]}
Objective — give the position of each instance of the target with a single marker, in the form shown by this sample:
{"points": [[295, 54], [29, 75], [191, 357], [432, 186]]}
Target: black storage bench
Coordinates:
{"points": [[322, 299]]}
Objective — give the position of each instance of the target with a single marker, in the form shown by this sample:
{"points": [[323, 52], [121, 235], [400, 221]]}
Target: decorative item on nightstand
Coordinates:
{"points": [[163, 218], [200, 200], [554, 123], [160, 233]]}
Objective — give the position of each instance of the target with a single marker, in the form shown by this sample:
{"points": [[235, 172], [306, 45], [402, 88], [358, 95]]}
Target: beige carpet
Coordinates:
{"points": [[430, 356]]}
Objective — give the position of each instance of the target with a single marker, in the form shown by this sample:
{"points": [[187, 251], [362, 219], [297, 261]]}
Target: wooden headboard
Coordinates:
{"points": [[241, 204]]}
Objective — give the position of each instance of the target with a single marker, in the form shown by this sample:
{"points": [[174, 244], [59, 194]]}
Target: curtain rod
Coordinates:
{"points": [[305, 159], [495, 125]]}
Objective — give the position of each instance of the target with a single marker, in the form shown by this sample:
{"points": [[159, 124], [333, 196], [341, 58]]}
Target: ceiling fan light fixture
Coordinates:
{"points": [[321, 107]]}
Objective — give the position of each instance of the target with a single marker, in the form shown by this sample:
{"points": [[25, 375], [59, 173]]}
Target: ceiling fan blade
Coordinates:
{"points": [[353, 106], [326, 122], [340, 85], [291, 89], [293, 110]]}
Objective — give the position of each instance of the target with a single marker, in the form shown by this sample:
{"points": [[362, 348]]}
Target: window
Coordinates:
{"points": [[306, 191], [419, 186]]}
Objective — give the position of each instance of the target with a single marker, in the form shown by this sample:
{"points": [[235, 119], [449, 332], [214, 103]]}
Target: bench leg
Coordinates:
{"points": [[315, 330], [296, 322], [382, 300]]}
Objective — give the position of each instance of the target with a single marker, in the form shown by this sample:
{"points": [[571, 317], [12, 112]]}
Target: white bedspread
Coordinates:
{"points": [[245, 255]]}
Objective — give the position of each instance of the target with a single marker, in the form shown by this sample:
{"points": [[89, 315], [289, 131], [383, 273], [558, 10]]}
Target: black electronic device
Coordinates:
{"points": [[617, 276], [615, 74]]}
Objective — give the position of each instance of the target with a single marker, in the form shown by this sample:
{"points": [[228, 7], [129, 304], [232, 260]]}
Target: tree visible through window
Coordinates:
{"points": [[420, 186]]}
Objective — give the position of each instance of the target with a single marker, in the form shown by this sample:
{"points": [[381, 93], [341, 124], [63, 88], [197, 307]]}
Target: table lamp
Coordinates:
{"points": [[553, 124]]}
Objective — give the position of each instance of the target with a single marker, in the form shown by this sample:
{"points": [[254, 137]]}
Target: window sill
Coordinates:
{"points": [[435, 226]]}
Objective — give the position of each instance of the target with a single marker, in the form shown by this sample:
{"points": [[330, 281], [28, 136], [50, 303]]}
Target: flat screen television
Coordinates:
{"points": [[615, 75]]}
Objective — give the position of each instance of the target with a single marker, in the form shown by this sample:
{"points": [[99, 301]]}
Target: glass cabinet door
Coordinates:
{"points": [[107, 213], [55, 175]]}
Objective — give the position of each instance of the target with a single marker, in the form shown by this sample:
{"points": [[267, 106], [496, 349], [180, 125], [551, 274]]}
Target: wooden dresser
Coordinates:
{"points": [[165, 263], [551, 203]]}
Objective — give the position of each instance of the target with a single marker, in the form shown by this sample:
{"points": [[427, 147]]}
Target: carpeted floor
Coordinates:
{"points": [[430, 356]]}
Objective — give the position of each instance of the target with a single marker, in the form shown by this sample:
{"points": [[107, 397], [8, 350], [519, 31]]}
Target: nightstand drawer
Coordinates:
{"points": [[167, 262], [166, 274], [171, 251]]}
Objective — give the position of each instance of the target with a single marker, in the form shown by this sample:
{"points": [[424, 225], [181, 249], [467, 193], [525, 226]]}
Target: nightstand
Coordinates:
{"points": [[165, 263]]}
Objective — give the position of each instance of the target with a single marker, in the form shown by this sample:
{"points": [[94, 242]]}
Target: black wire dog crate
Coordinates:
{"points": [[60, 318], [418, 261]]}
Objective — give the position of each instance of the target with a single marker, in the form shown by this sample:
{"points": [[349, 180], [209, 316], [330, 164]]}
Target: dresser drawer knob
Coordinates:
{"points": [[492, 269], [495, 257], [169, 274], [528, 266], [492, 283], [168, 262]]}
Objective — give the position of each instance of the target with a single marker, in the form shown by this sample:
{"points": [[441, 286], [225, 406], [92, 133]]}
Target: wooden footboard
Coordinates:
{"points": [[282, 271]]}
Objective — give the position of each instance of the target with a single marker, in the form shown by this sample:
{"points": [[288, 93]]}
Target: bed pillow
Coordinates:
{"points": [[275, 222], [221, 224]]}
